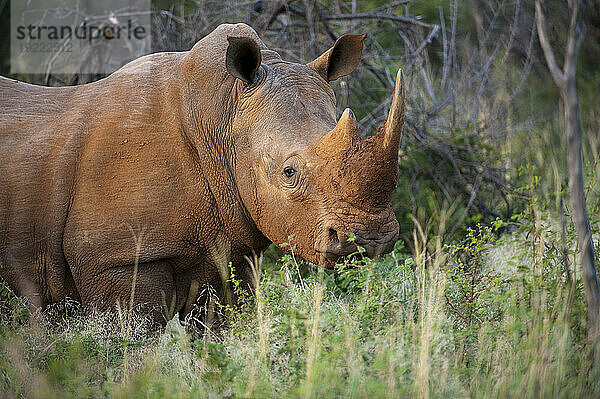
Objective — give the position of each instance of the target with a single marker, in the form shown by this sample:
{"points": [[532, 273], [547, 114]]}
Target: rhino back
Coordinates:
{"points": [[60, 144]]}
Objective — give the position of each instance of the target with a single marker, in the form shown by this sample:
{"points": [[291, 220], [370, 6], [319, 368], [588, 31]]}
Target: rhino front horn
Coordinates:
{"points": [[392, 130], [343, 136]]}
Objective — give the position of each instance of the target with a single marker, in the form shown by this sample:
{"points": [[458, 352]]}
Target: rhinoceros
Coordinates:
{"points": [[143, 184]]}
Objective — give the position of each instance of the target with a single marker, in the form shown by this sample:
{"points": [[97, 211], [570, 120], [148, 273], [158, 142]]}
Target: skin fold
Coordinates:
{"points": [[178, 164]]}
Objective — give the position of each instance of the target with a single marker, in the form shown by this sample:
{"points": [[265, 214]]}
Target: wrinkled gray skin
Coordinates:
{"points": [[177, 161]]}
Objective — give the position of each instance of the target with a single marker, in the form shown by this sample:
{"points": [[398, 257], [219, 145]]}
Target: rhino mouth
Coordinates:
{"points": [[329, 260], [336, 247]]}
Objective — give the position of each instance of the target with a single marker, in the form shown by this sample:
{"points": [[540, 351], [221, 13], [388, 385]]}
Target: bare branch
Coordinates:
{"points": [[576, 35], [311, 28], [380, 16], [528, 64], [513, 31], [557, 73], [427, 41], [445, 63]]}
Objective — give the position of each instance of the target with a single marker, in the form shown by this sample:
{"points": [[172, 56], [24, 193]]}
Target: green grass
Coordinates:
{"points": [[443, 322]]}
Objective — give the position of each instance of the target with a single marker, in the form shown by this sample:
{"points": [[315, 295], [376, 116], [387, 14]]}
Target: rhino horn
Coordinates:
{"points": [[391, 134], [343, 136]]}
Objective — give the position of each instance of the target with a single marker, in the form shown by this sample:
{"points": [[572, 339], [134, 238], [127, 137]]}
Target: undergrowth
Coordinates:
{"points": [[444, 322]]}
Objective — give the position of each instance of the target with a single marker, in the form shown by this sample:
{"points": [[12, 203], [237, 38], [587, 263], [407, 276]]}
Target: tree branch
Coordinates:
{"points": [[402, 19], [574, 41], [555, 71]]}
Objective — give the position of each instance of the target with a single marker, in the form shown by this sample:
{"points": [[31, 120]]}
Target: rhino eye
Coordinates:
{"points": [[288, 171]]}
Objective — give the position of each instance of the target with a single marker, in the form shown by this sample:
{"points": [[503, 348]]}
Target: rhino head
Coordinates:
{"points": [[304, 175]]}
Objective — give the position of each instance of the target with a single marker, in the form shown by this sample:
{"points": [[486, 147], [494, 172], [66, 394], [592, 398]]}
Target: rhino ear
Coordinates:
{"points": [[243, 58], [341, 59]]}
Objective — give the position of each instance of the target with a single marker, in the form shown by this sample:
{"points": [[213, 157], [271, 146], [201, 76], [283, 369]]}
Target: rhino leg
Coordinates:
{"points": [[205, 301], [153, 289]]}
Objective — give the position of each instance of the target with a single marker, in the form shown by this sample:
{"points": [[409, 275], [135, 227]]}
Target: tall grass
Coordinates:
{"points": [[391, 327]]}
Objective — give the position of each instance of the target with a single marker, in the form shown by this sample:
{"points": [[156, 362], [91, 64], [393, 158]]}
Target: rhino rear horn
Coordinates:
{"points": [[341, 59], [243, 58], [343, 136]]}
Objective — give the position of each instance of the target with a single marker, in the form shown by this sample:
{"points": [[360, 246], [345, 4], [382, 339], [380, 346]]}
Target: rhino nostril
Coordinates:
{"points": [[337, 240], [333, 236], [336, 243]]}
